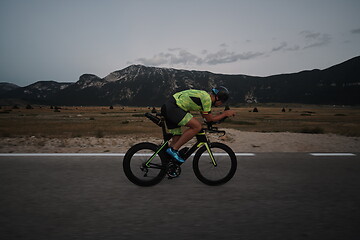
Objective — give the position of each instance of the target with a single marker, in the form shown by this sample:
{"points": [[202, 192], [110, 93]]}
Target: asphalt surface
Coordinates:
{"points": [[272, 196]]}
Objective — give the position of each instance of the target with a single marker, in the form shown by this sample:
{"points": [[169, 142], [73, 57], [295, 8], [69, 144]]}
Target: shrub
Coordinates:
{"points": [[240, 122], [99, 134], [315, 130]]}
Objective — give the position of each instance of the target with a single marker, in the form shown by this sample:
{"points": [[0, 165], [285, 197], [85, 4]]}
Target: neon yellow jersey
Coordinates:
{"points": [[194, 100]]}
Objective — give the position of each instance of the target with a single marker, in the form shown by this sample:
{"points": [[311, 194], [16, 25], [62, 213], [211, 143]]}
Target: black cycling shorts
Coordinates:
{"points": [[174, 115]]}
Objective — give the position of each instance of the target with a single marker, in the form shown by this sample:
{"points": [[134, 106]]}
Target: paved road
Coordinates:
{"points": [[272, 196]]}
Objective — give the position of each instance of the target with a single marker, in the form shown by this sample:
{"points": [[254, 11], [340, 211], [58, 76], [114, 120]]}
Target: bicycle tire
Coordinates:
{"points": [[134, 169], [209, 174]]}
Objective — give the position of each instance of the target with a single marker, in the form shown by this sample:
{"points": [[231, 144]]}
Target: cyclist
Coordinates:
{"points": [[177, 113]]}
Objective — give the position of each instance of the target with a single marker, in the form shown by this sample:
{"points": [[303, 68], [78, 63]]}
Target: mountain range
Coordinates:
{"points": [[139, 85]]}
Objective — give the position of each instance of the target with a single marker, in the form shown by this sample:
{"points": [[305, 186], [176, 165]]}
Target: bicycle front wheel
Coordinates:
{"points": [[218, 172], [137, 167]]}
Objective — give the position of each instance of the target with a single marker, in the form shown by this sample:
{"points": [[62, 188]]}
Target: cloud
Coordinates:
{"points": [[184, 57], [178, 56], [156, 60], [174, 49], [224, 56], [313, 39], [281, 47], [355, 31], [310, 35], [293, 48], [284, 47]]}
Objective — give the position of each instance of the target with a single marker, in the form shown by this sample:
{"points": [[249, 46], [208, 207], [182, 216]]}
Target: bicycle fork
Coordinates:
{"points": [[208, 149], [203, 140]]}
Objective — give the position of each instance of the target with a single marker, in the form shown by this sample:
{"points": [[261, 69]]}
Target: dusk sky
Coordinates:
{"points": [[62, 39]]}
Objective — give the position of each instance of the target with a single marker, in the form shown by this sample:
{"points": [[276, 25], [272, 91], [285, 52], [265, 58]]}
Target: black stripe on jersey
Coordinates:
{"points": [[197, 101]]}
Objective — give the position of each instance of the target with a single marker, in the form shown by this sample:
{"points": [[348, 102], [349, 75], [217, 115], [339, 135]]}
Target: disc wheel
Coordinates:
{"points": [[135, 167], [218, 174]]}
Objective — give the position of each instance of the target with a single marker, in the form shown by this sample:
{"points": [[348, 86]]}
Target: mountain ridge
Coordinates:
{"points": [[139, 85]]}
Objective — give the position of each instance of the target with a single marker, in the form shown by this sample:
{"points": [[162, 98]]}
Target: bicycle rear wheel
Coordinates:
{"points": [[135, 167], [207, 172]]}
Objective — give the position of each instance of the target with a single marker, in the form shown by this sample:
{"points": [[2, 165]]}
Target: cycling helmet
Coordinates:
{"points": [[221, 93]]}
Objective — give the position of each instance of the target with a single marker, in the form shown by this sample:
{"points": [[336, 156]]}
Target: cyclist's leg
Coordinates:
{"points": [[175, 137], [177, 117], [174, 115], [194, 128]]}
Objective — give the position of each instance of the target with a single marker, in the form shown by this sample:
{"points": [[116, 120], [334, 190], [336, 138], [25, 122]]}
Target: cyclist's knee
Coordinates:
{"points": [[194, 124], [198, 128]]}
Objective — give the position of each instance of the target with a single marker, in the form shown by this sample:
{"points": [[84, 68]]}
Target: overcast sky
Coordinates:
{"points": [[62, 39]]}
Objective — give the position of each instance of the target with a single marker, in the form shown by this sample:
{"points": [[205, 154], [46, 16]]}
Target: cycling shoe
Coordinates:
{"points": [[175, 155]]}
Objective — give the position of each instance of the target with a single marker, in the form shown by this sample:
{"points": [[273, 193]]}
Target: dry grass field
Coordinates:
{"points": [[301, 119], [43, 121]]}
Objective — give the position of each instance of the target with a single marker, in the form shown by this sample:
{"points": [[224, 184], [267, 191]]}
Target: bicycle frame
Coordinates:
{"points": [[146, 163], [202, 140]]}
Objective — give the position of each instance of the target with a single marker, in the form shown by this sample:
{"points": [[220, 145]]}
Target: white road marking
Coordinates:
{"points": [[97, 154], [245, 154], [62, 154], [332, 154], [147, 154]]}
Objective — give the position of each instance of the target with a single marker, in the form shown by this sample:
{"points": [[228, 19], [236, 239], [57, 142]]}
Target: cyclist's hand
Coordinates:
{"points": [[229, 113]]}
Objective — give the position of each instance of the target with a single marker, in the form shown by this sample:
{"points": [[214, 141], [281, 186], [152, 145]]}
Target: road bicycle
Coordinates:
{"points": [[146, 164]]}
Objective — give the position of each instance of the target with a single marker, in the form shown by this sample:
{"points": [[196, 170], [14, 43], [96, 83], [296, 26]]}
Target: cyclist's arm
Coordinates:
{"points": [[209, 117]]}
